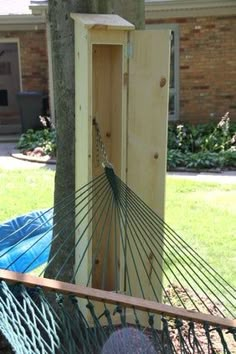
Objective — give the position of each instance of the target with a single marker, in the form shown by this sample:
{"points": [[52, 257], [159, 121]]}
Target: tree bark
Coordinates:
{"points": [[62, 41], [62, 36], [131, 10]]}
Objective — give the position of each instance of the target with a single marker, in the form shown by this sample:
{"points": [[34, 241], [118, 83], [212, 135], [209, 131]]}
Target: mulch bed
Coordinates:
{"points": [[199, 330], [35, 155]]}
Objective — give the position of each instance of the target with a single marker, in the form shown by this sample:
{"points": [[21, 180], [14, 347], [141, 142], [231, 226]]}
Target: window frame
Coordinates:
{"points": [[17, 42]]}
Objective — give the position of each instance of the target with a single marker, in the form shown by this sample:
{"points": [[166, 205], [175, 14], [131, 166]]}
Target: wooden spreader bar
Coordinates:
{"points": [[114, 298]]}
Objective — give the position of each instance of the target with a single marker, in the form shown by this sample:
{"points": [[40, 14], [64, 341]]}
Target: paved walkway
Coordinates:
{"points": [[225, 177], [9, 162]]}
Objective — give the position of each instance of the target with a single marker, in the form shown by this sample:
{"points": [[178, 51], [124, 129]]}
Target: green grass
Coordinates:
{"points": [[23, 191], [204, 214]]}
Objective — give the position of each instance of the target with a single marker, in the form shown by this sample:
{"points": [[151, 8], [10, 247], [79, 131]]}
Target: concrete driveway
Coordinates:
{"points": [[225, 177], [8, 162]]}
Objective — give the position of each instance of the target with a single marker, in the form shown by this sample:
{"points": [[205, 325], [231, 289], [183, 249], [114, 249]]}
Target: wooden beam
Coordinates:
{"points": [[114, 298]]}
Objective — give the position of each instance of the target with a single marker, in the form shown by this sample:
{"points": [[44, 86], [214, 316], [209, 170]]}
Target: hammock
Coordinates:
{"points": [[142, 288], [40, 315]]}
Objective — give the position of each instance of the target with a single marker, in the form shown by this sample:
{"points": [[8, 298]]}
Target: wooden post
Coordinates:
{"points": [[122, 80], [101, 93]]}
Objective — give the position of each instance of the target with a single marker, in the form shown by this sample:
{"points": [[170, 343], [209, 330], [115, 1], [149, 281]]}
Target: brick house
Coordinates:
{"points": [[23, 59], [203, 52]]}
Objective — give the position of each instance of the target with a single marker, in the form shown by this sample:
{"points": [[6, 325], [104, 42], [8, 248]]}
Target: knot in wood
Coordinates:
{"points": [[162, 82]]}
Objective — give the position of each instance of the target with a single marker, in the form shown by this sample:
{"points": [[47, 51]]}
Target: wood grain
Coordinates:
{"points": [[114, 298]]}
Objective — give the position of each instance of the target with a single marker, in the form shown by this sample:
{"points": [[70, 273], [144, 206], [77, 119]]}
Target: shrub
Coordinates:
{"points": [[45, 139], [175, 158], [202, 137], [204, 160], [202, 146], [229, 158]]}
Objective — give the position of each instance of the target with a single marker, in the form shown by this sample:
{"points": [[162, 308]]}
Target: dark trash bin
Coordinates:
{"points": [[31, 105]]}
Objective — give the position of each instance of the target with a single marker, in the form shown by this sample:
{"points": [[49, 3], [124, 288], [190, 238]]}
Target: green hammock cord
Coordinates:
{"points": [[112, 220], [31, 325]]}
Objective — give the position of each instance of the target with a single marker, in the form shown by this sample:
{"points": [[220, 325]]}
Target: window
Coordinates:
{"points": [[174, 69], [3, 98]]}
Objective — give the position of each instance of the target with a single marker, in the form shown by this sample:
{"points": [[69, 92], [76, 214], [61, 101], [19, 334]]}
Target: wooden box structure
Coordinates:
{"points": [[121, 78]]}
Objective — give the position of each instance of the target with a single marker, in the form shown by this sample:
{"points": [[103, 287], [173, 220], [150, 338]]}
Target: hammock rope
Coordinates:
{"points": [[148, 223], [130, 254], [43, 328]]}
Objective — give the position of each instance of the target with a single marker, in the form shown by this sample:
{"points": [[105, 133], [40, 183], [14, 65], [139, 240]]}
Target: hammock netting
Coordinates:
{"points": [[127, 251]]}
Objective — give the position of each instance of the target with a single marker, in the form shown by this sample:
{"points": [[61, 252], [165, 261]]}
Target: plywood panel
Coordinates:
{"points": [[139, 145], [107, 110], [82, 140], [148, 115], [83, 152], [101, 92], [147, 141]]}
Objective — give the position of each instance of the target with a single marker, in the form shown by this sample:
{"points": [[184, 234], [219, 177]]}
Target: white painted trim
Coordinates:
{"points": [[8, 40], [17, 41], [19, 61], [50, 75], [173, 4], [22, 19], [189, 8], [189, 4], [21, 27], [39, 9], [156, 14]]}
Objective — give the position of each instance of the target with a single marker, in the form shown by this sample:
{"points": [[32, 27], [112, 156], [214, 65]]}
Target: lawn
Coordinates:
{"points": [[23, 191], [204, 214]]}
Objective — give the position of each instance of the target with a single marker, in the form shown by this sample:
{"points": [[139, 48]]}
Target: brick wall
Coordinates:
{"points": [[34, 70], [33, 58], [207, 67]]}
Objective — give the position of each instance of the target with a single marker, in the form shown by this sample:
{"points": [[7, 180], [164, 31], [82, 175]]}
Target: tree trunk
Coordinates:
{"points": [[131, 10], [62, 40], [62, 36]]}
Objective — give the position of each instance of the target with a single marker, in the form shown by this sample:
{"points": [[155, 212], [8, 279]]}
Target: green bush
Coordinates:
{"points": [[229, 158], [201, 160], [45, 139], [175, 158], [202, 146], [204, 160]]}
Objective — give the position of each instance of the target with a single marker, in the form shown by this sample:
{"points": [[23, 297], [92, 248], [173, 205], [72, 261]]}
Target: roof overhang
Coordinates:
{"points": [[21, 22], [188, 8], [39, 8]]}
